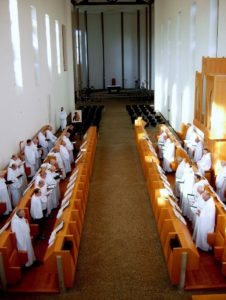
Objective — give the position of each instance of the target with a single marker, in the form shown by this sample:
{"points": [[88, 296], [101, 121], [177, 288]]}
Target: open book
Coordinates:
{"points": [[179, 216], [54, 232]]}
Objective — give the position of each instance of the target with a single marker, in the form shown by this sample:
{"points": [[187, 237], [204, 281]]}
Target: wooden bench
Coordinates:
{"points": [[66, 245], [73, 217], [170, 228]]}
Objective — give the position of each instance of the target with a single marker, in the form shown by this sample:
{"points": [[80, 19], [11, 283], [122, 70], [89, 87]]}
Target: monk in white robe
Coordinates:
{"points": [[189, 132], [198, 150], [179, 174], [191, 144], [21, 229], [40, 176], [4, 194], [60, 162], [69, 146], [205, 163], [221, 181], [186, 188], [52, 180], [205, 223], [161, 142], [44, 143], [51, 138], [13, 176], [168, 155], [38, 153], [198, 182], [30, 158], [46, 198], [65, 157], [63, 118], [20, 166], [36, 211], [196, 203]]}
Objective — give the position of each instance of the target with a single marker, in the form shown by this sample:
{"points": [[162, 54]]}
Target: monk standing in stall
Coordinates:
{"points": [[20, 227]]}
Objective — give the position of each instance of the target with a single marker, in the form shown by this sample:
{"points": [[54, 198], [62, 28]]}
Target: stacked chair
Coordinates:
{"points": [[91, 116], [147, 112]]}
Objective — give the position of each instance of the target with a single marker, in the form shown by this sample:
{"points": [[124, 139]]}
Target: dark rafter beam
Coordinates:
{"points": [[85, 2]]}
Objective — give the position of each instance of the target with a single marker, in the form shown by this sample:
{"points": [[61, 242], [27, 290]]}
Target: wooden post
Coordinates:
{"points": [[2, 273], [60, 273], [184, 258]]}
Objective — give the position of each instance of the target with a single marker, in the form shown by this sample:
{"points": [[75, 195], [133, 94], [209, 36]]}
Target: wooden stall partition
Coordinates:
{"points": [[179, 241], [12, 258], [214, 65], [183, 131]]}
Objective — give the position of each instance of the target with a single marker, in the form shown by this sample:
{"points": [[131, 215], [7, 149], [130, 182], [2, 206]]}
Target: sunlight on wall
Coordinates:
{"points": [[174, 106], [186, 105], [217, 121], [48, 42], [15, 38], [57, 30], [217, 167], [166, 93], [78, 41], [35, 43], [158, 93]]}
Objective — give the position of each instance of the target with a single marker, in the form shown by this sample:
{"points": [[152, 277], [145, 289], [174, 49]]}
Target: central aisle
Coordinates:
{"points": [[120, 254]]}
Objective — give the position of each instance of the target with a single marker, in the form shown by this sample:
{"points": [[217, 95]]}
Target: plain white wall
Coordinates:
{"points": [[112, 37], [24, 112], [112, 42], [180, 42], [130, 49], [95, 50]]}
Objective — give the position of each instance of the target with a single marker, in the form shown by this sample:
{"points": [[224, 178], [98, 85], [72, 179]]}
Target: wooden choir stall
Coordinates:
{"points": [[58, 266]]}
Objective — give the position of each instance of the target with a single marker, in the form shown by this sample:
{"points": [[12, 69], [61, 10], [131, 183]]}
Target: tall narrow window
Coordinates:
{"points": [[15, 38], [58, 45], [77, 45], [48, 42], [64, 44], [35, 43]]}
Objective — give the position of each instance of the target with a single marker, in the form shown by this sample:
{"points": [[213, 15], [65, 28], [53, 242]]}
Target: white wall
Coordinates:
{"points": [[130, 49], [24, 111], [180, 42], [112, 44], [95, 51], [112, 38]]}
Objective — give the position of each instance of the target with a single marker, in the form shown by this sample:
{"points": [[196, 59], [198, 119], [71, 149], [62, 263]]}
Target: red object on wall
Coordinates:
{"points": [[113, 81]]}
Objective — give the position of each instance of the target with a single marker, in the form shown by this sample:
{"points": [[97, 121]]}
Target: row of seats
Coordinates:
{"points": [[67, 240], [14, 259], [91, 116], [20, 156], [147, 112], [179, 150], [217, 239], [174, 234]]}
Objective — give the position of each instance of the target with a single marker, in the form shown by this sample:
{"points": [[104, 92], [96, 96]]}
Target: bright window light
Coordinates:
{"points": [[35, 42], [58, 45], [78, 42], [77, 45], [48, 42], [15, 37]]}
